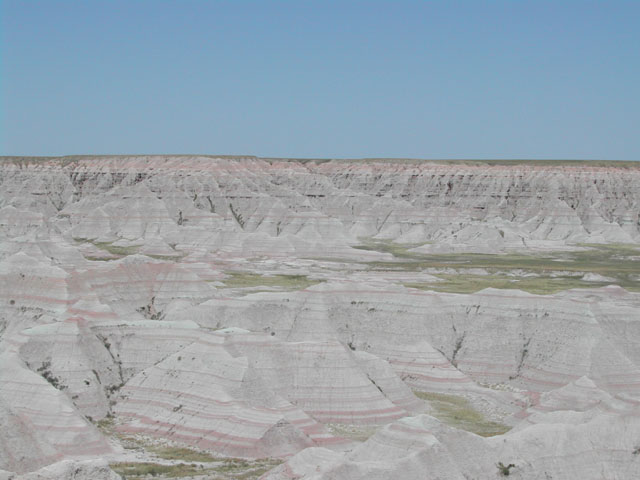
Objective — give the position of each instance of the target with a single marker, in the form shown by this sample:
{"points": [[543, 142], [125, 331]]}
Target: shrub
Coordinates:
{"points": [[503, 469]]}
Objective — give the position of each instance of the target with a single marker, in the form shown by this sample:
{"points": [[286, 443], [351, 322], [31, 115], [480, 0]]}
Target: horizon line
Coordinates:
{"points": [[302, 158]]}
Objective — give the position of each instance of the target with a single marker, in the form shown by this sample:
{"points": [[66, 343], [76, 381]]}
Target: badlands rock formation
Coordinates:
{"points": [[368, 319]]}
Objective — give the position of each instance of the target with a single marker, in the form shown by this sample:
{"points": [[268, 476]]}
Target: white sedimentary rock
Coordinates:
{"points": [[68, 469], [39, 422], [270, 308]]}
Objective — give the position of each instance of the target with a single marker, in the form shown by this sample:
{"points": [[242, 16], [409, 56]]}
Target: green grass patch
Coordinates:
{"points": [[108, 247], [106, 425], [282, 282], [620, 262], [181, 453], [226, 469], [119, 251], [190, 462], [466, 283], [239, 468], [399, 250], [458, 412], [166, 258], [116, 250], [135, 470]]}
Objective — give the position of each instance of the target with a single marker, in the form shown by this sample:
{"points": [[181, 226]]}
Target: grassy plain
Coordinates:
{"points": [[540, 273], [458, 412], [222, 469], [282, 282]]}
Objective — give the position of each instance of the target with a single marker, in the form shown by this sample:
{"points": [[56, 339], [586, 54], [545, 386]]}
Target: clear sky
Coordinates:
{"points": [[447, 79]]}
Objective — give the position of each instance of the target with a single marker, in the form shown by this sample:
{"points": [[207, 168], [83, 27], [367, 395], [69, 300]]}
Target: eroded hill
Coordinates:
{"points": [[201, 316]]}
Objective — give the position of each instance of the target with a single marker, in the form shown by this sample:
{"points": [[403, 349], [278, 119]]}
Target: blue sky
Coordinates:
{"points": [[454, 79]]}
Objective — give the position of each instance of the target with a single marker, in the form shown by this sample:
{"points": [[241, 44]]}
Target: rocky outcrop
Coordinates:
{"points": [[273, 206], [255, 308], [68, 469]]}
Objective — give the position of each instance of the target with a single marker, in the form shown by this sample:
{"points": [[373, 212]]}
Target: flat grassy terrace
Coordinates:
{"points": [[540, 273], [113, 250], [459, 413], [280, 281], [166, 461], [467, 283], [223, 469]]}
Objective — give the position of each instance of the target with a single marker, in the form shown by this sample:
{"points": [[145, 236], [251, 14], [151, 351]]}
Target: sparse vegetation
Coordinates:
{"points": [[116, 250], [282, 282], [237, 216], [111, 389], [224, 469], [399, 250], [46, 373], [359, 433], [106, 424], [458, 412], [150, 312], [503, 469], [174, 461], [166, 258], [181, 453], [109, 247], [542, 273], [135, 470], [468, 283]]}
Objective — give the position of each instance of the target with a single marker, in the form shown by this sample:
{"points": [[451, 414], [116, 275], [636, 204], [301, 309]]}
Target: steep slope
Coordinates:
{"points": [[352, 318]]}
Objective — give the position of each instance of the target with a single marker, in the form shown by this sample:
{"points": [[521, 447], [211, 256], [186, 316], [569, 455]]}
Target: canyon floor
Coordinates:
{"points": [[240, 318]]}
